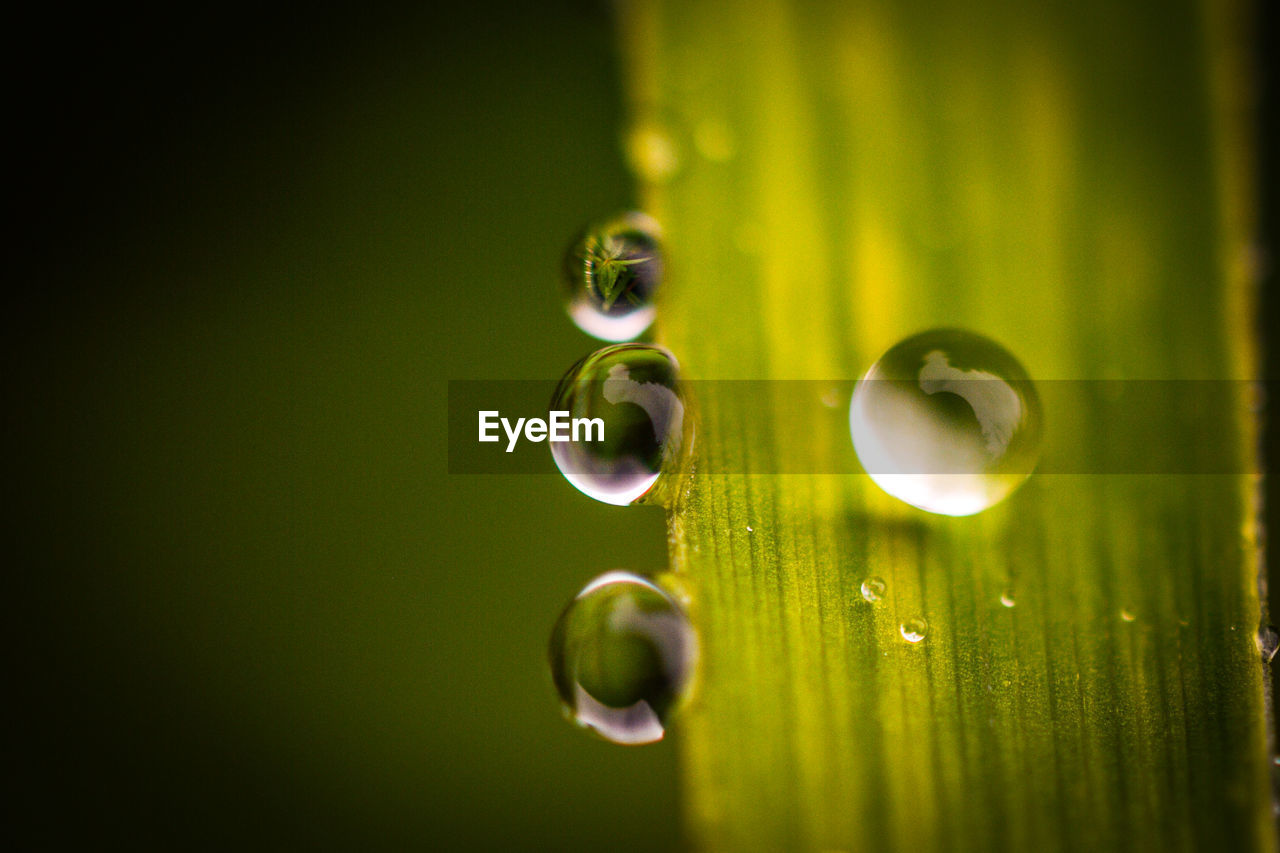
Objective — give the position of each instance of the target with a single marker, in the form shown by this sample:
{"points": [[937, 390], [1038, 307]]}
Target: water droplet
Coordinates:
{"points": [[632, 392], [1006, 598], [873, 589], [913, 630], [1127, 616], [651, 150], [611, 273], [714, 141], [947, 421], [1268, 642], [622, 655], [750, 529]]}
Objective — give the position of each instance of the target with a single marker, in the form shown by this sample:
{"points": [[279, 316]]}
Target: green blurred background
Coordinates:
{"points": [[253, 610]]}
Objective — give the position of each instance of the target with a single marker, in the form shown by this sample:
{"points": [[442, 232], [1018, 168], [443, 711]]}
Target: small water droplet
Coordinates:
{"points": [[622, 655], [611, 273], [873, 589], [715, 141], [831, 398], [633, 392], [947, 421], [1006, 598], [1268, 642], [913, 630], [750, 529], [651, 151], [1127, 616]]}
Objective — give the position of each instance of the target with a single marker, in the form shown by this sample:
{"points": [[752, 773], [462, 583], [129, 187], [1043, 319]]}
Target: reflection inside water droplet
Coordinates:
{"points": [[1006, 598], [633, 391], [873, 589], [947, 421], [913, 630], [622, 655], [611, 273], [1127, 616]]}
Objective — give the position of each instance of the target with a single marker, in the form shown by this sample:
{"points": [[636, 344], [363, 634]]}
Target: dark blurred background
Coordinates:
{"points": [[251, 609]]}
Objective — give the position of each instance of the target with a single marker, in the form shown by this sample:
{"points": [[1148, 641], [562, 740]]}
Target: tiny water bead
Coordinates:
{"points": [[947, 421], [913, 630], [622, 655], [633, 391], [611, 273], [1127, 615], [1007, 599], [873, 589]]}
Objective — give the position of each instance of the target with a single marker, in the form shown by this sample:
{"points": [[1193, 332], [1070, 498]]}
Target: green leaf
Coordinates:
{"points": [[1071, 182]]}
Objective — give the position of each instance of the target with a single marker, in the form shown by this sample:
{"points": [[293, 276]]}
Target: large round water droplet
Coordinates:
{"points": [[611, 272], [629, 400], [622, 656], [947, 421]]}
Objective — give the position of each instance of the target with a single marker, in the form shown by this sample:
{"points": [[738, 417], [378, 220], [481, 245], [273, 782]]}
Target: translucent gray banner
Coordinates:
{"points": [[809, 427]]}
